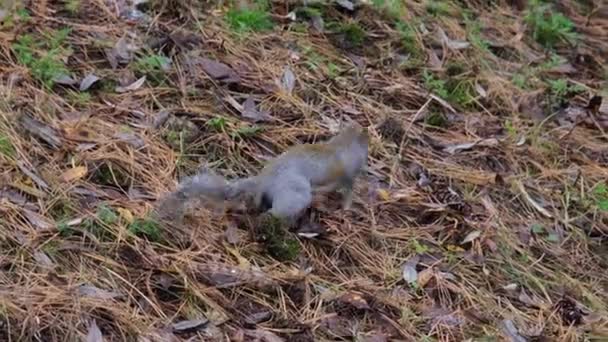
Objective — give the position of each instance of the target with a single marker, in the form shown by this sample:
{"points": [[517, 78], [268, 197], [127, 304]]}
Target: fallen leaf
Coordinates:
{"points": [[480, 90], [64, 79], [219, 71], [263, 336], [74, 174], [317, 23], [338, 325], [133, 86], [346, 4], [122, 52], [189, 326], [441, 315], [355, 299], [251, 112], [452, 44], [43, 259], [383, 194], [425, 276], [288, 81], [41, 130], [410, 275], [258, 317], [434, 60], [37, 220], [88, 81], [376, 337], [563, 68], [508, 327], [160, 118], [131, 139], [94, 334], [125, 214], [39, 181], [311, 230], [232, 235], [452, 149], [95, 292], [471, 236]]}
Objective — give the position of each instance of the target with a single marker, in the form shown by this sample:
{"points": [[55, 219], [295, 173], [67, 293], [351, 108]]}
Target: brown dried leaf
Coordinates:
{"points": [[451, 44], [87, 82], [346, 4], [508, 327], [189, 326], [38, 220], [43, 259], [232, 235], [94, 334], [41, 130], [229, 276], [471, 236], [218, 71], [133, 86], [251, 112], [39, 181], [288, 81], [354, 299], [410, 275], [131, 139], [263, 336], [65, 79], [452, 149], [74, 173], [95, 292]]}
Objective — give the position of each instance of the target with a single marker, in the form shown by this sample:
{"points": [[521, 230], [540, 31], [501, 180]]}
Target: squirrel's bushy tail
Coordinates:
{"points": [[204, 185]]}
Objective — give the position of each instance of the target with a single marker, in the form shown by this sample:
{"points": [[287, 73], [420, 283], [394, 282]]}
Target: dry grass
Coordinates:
{"points": [[508, 235]]}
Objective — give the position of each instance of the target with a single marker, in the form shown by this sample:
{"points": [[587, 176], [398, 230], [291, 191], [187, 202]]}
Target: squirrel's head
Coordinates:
{"points": [[352, 132]]}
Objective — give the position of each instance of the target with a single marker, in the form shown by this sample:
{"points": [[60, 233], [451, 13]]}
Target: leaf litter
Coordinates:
{"points": [[447, 251]]}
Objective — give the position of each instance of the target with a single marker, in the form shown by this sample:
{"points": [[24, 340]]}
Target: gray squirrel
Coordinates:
{"points": [[286, 185]]}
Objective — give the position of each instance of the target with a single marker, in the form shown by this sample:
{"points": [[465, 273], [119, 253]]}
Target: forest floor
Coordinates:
{"points": [[483, 215]]}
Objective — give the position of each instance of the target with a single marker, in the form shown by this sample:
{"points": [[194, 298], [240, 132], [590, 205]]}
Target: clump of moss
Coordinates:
{"points": [[277, 239], [147, 227]]}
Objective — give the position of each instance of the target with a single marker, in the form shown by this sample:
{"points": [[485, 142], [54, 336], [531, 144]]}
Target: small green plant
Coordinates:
{"points": [[153, 66], [6, 147], [78, 98], [352, 34], [72, 6], [394, 8], [560, 90], [548, 27], [456, 90], [437, 8], [218, 123], [147, 227], [409, 41], [474, 34], [248, 131], [277, 239], [600, 194], [42, 56], [333, 70], [255, 19], [105, 217], [436, 119], [434, 84]]}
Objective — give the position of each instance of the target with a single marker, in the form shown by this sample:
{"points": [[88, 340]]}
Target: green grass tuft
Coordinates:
{"points": [[549, 27], [42, 56], [256, 19], [146, 227]]}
